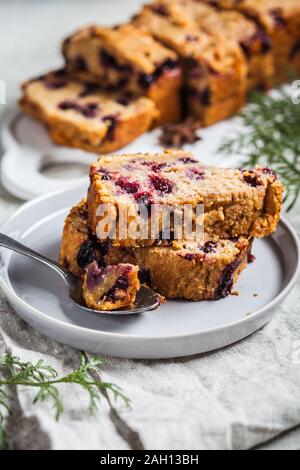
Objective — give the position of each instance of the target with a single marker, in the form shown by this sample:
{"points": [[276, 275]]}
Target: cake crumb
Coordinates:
{"points": [[235, 293], [178, 134]]}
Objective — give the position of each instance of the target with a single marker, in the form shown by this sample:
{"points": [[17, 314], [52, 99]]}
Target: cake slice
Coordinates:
{"points": [[110, 288], [184, 270], [246, 33], [235, 202], [78, 114], [125, 57], [215, 71], [281, 21]]}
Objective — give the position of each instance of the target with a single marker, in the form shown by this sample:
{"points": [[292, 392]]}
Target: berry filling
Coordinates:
{"points": [[89, 110], [196, 173], [295, 50], [279, 21], [146, 80], [144, 198], [55, 83], [209, 247], [161, 184], [145, 276], [187, 160], [79, 64], [226, 282], [87, 254], [160, 9], [251, 178], [109, 61], [129, 187], [112, 121], [90, 89]]}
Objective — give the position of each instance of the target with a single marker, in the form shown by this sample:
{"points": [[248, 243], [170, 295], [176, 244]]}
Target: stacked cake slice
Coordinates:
{"points": [[237, 206]]}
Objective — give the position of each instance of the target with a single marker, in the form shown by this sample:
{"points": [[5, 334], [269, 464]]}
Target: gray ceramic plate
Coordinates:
{"points": [[177, 328]]}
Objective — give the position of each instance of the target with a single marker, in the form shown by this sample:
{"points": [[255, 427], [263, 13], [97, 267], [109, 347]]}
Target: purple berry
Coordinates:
{"points": [[276, 14], [209, 247], [112, 120], [87, 254], [79, 63], [90, 110], [251, 178], [162, 184], [67, 104], [187, 160], [129, 187]]}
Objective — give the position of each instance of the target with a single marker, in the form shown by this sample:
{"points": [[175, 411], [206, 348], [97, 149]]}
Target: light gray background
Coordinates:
{"points": [[235, 398]]}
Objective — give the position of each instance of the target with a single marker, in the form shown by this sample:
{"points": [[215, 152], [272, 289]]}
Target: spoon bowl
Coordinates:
{"points": [[146, 298]]}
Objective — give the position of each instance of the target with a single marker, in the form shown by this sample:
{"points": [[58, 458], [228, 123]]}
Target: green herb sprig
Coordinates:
{"points": [[45, 379], [271, 137]]}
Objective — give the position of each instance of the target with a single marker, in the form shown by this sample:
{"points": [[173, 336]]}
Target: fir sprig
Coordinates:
{"points": [[45, 379], [271, 137]]}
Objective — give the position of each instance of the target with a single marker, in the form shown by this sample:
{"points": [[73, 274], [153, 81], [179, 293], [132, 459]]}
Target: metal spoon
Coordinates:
{"points": [[146, 299]]}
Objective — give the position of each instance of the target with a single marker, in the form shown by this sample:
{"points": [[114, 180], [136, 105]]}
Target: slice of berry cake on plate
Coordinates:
{"points": [[79, 114], [235, 202]]}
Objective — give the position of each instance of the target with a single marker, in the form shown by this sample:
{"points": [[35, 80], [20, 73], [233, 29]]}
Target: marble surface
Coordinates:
{"points": [[175, 404]]}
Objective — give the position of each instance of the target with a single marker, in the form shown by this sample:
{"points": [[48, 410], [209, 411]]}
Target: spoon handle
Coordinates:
{"points": [[11, 244]]}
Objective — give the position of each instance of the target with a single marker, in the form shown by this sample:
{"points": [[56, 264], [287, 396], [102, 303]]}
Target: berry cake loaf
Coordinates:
{"points": [[125, 57], [185, 270], [281, 20], [78, 114], [251, 38], [111, 287], [215, 72], [236, 202]]}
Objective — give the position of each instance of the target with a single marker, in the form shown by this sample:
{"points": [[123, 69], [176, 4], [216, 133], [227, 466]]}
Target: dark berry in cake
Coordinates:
{"points": [[112, 120], [161, 184], [187, 160], [68, 104], [129, 187], [295, 50], [160, 9], [209, 247], [90, 89], [276, 14], [226, 281], [87, 254], [145, 276], [90, 110], [79, 63], [251, 178], [196, 173], [205, 97], [55, 83]]}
